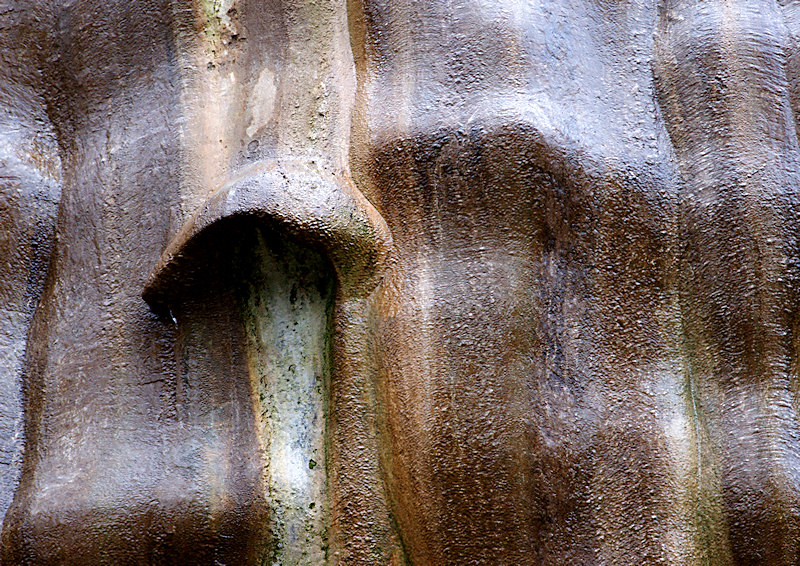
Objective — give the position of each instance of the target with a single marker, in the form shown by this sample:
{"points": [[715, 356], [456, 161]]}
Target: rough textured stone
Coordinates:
{"points": [[387, 282]]}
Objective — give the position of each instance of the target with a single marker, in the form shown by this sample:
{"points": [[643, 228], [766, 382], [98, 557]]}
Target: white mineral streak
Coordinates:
{"points": [[262, 102], [289, 360]]}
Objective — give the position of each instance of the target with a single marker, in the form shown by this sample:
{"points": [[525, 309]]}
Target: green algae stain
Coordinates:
{"points": [[705, 501], [218, 19], [285, 297]]}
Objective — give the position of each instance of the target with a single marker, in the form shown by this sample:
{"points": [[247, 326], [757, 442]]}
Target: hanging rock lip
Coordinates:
{"points": [[295, 197]]}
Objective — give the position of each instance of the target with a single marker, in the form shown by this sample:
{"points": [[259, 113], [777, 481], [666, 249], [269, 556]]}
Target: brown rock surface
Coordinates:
{"points": [[399, 282]]}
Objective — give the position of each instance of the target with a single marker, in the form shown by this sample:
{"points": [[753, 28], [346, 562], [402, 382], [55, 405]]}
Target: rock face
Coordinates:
{"points": [[387, 282]]}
